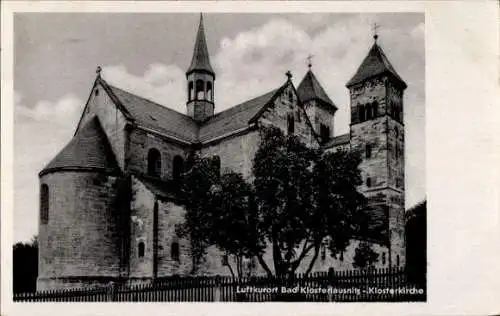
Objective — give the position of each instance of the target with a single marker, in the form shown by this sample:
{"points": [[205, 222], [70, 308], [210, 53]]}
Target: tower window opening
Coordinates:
{"points": [[397, 260], [368, 182], [324, 132], [190, 91], [209, 91], [290, 124], [199, 90], [174, 251], [368, 150], [44, 204], [361, 110], [341, 256], [178, 167], [290, 97], [375, 108], [140, 249], [368, 109], [154, 163], [383, 258]]}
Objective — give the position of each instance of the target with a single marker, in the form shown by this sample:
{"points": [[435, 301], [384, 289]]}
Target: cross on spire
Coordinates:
{"points": [[289, 75], [375, 33], [309, 60], [98, 71]]}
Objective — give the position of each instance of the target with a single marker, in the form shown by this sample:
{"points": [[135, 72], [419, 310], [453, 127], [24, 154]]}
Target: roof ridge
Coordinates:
{"points": [[149, 100]]}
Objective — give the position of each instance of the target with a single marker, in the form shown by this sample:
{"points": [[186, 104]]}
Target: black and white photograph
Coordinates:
{"points": [[218, 155], [223, 157]]}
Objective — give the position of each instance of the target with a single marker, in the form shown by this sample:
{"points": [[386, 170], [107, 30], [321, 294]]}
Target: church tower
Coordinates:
{"points": [[377, 131], [200, 79]]}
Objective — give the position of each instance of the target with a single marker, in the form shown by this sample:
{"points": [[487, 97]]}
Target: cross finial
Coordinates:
{"points": [[375, 28], [98, 71], [309, 60], [289, 75]]}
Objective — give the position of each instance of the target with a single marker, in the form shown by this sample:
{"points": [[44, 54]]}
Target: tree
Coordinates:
{"points": [[299, 198], [25, 266], [304, 197], [364, 256]]}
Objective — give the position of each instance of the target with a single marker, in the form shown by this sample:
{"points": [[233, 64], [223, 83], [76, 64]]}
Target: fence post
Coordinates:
{"points": [[217, 290], [111, 291]]}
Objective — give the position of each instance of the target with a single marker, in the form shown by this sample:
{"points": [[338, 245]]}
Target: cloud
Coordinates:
{"points": [[40, 133]]}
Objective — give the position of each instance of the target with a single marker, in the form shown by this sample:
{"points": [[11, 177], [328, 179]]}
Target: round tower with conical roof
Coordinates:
{"points": [[81, 217]]}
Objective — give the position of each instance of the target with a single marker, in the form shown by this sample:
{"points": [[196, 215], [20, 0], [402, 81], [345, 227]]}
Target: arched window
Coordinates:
{"points": [[375, 108], [178, 167], [368, 109], [190, 90], [324, 132], [209, 91], [140, 249], [368, 182], [174, 251], [199, 90], [154, 163], [290, 124], [368, 150], [44, 204], [361, 110]]}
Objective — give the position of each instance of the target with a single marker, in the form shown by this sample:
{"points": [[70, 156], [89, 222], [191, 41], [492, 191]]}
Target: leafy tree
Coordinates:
{"points": [[303, 198], [25, 266], [364, 256], [299, 198]]}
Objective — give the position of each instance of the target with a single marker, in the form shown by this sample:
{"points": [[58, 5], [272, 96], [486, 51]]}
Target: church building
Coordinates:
{"points": [[107, 208]]}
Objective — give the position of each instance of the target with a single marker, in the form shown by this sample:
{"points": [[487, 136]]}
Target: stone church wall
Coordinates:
{"points": [[82, 238], [111, 119], [140, 144]]}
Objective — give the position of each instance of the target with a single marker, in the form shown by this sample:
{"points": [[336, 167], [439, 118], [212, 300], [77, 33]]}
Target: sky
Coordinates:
{"points": [[56, 55]]}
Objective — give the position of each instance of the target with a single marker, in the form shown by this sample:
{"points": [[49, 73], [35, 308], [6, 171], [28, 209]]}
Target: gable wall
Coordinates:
{"points": [[112, 121]]}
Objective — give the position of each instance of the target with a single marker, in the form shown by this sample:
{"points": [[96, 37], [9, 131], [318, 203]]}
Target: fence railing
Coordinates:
{"points": [[340, 286]]}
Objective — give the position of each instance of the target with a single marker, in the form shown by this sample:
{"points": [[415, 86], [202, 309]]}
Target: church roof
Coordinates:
{"points": [[155, 116], [201, 59], [338, 140], [311, 89], [89, 149], [375, 63], [236, 117]]}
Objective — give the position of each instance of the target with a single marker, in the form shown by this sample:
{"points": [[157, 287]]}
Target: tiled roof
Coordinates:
{"points": [[375, 63], [89, 149], [338, 140], [236, 117], [157, 117], [201, 59], [311, 89]]}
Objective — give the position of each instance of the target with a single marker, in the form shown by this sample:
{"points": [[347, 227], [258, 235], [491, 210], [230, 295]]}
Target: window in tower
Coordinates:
{"points": [[397, 260], [361, 111], [44, 204], [140, 249], [174, 251], [199, 90], [290, 124], [324, 132], [375, 108], [368, 109], [368, 150], [290, 97], [369, 182], [190, 91], [178, 167], [154, 163], [209, 91], [383, 258], [341, 256]]}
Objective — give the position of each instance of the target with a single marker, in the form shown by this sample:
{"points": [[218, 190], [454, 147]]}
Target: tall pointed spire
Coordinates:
{"points": [[201, 59]]}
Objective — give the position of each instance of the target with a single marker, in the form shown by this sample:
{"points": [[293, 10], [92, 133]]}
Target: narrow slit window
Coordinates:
{"points": [[290, 124], [368, 150], [174, 251], [44, 204], [141, 249]]}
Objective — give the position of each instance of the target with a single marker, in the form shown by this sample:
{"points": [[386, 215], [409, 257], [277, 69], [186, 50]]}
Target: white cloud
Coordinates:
{"points": [[39, 134]]}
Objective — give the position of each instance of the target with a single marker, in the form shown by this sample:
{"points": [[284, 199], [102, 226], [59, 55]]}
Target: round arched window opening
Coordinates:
{"points": [[154, 163], [174, 251], [140, 249]]}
